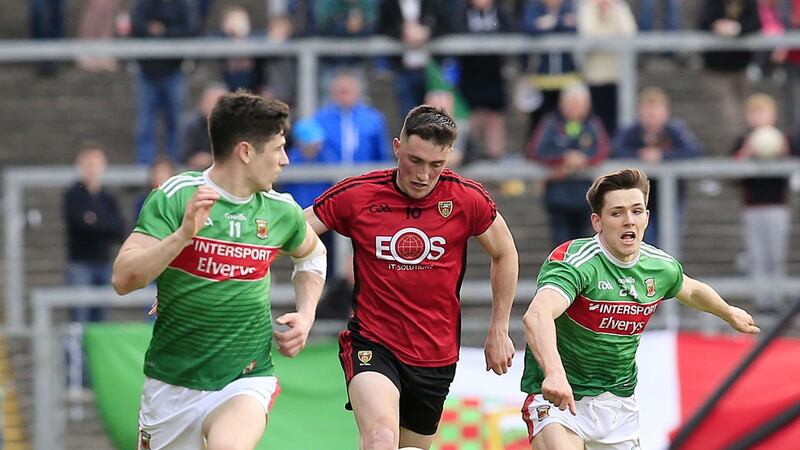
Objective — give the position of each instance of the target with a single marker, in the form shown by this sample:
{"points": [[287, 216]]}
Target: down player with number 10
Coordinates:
{"points": [[409, 227]]}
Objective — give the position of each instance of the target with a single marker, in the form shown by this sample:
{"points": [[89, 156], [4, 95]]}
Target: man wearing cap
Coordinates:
{"points": [[307, 139]]}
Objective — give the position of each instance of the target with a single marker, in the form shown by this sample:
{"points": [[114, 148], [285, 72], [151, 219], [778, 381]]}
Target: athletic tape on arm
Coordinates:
{"points": [[316, 261]]}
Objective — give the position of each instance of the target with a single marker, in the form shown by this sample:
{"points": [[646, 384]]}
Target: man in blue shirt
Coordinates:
{"points": [[354, 131]]}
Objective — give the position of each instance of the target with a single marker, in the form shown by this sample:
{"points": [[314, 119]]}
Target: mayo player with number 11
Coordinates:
{"points": [[595, 296], [208, 239], [409, 228]]}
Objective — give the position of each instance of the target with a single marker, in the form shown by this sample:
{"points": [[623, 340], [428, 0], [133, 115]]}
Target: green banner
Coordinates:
{"points": [[308, 414]]}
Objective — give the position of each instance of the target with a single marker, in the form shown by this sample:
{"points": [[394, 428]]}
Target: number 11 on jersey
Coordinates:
{"points": [[235, 229]]}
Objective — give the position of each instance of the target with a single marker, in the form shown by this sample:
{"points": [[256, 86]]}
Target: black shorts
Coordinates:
{"points": [[422, 389]]}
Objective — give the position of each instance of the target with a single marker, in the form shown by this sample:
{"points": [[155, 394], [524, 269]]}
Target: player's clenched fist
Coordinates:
{"points": [[294, 338], [197, 210], [556, 390]]}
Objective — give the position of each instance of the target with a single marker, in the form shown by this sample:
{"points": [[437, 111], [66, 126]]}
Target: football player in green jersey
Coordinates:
{"points": [[595, 296], [208, 240]]}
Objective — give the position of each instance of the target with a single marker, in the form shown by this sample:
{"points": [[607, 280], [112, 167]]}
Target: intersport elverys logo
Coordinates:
{"points": [[409, 246]]}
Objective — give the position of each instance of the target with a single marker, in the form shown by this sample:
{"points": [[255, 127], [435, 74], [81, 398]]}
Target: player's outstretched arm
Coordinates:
{"points": [[310, 264], [142, 258], [540, 332], [313, 220], [499, 245], [703, 297]]}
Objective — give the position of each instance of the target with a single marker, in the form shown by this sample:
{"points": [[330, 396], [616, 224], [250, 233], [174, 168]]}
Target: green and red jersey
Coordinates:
{"points": [[610, 303], [214, 321]]}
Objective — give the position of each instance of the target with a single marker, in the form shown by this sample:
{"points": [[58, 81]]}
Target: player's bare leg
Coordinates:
{"points": [[410, 439], [555, 436], [236, 424], [376, 405]]}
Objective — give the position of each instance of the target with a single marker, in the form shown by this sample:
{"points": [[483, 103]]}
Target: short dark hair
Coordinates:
{"points": [[615, 181], [242, 116], [430, 124]]}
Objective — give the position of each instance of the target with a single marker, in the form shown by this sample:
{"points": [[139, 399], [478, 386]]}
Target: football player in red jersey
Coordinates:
{"points": [[409, 228]]}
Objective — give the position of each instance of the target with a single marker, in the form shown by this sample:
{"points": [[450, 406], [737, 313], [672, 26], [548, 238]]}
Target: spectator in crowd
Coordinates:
{"points": [[601, 69], [354, 131], [343, 19], [240, 72], [656, 136], [481, 80], [98, 23], [414, 22], [196, 152], [160, 170], [766, 215], [160, 83], [726, 78], [94, 225], [308, 138], [568, 142], [299, 12], [46, 22], [670, 15], [555, 69], [278, 75]]}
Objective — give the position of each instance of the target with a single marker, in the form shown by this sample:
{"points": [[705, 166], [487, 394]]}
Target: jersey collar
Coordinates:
{"points": [[614, 260], [222, 192]]}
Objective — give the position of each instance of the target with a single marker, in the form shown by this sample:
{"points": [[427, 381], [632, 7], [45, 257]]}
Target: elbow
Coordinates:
{"points": [[122, 284], [119, 286], [530, 319], [527, 320], [536, 315]]}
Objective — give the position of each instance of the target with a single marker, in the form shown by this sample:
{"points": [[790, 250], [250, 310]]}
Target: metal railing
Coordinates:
{"points": [[309, 50]]}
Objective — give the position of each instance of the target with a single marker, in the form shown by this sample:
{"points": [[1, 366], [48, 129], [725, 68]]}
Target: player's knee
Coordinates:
{"points": [[381, 438]]}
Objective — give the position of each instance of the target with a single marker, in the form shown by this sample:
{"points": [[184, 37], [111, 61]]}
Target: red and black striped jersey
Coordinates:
{"points": [[409, 259]]}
